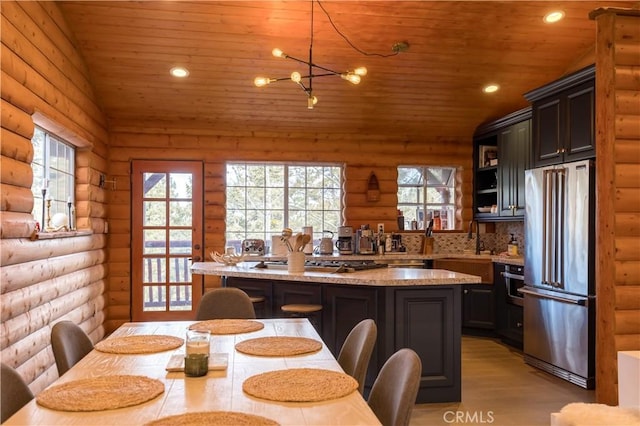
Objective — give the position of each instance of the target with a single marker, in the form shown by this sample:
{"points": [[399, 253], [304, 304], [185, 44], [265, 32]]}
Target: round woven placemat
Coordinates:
{"points": [[300, 385], [139, 344], [278, 346], [228, 326], [214, 418], [100, 393]]}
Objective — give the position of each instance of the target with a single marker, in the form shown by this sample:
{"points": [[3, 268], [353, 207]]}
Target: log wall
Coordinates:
{"points": [[617, 176], [42, 281], [361, 154]]}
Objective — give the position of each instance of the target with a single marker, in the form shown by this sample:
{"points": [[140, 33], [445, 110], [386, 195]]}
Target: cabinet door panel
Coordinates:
{"points": [[580, 128], [520, 161], [428, 323], [547, 133]]}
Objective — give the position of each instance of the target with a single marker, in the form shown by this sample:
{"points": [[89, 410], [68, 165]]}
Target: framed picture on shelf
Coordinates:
{"points": [[488, 156]]}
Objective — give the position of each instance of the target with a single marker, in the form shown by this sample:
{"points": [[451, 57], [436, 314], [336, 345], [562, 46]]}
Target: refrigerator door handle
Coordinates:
{"points": [[546, 225], [577, 301], [562, 178]]}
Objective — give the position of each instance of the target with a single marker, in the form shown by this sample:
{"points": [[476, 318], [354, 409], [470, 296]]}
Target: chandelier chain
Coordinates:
{"points": [[353, 46]]}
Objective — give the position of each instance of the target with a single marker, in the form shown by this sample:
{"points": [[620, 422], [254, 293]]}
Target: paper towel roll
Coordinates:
{"points": [[278, 247], [308, 248]]}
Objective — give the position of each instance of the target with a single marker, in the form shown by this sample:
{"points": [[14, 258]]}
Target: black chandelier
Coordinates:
{"points": [[353, 77]]}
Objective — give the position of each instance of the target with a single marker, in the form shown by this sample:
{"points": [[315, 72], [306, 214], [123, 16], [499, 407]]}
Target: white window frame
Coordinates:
{"points": [[330, 218], [52, 180], [410, 210]]}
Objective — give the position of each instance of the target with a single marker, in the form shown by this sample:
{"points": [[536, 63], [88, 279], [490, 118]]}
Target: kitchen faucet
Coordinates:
{"points": [[470, 234]]}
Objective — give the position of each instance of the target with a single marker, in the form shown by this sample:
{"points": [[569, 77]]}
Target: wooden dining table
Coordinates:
{"points": [[219, 390]]}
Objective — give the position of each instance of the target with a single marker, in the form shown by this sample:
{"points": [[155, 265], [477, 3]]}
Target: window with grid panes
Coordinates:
{"points": [[264, 198], [53, 168], [425, 193]]}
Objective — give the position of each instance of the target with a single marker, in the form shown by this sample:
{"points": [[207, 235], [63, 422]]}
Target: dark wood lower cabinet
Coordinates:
{"points": [[429, 323], [478, 307], [426, 319]]}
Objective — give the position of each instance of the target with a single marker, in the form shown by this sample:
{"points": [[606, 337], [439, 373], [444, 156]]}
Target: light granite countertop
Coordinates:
{"points": [[372, 277], [399, 257]]}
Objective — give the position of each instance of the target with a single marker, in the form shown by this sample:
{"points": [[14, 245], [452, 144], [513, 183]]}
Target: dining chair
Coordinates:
{"points": [[225, 303], [70, 344], [356, 350], [15, 392], [395, 389]]}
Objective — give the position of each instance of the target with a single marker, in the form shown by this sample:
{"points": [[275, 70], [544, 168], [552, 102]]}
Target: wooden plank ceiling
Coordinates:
{"points": [[433, 90]]}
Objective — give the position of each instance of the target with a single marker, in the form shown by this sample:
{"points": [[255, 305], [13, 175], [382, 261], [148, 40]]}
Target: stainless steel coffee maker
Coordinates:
{"points": [[345, 240], [364, 240]]}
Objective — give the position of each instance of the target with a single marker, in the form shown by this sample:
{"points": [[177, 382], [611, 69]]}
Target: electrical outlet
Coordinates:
{"points": [[381, 228]]}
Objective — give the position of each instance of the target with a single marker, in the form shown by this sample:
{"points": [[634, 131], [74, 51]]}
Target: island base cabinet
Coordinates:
{"points": [[429, 322], [346, 306], [427, 319]]}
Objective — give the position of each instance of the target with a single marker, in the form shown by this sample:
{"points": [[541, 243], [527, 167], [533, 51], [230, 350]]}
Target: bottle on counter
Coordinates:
{"points": [[400, 220], [512, 247]]}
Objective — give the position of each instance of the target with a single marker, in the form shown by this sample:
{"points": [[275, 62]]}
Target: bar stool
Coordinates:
{"points": [[256, 299], [258, 305], [303, 310]]}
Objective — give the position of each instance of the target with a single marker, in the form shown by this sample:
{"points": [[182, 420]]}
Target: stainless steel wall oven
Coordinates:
{"points": [[514, 281]]}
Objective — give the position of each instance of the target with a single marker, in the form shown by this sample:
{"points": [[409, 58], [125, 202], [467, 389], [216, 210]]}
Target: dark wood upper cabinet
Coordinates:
{"points": [[502, 184], [563, 125], [514, 152]]}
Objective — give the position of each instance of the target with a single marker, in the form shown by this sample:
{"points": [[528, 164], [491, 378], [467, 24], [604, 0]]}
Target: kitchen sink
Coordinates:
{"points": [[480, 267]]}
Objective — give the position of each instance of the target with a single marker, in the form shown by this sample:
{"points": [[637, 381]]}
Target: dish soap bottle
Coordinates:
{"points": [[512, 247]]}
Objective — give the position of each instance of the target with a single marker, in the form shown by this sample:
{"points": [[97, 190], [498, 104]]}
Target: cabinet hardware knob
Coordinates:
{"points": [[519, 324]]}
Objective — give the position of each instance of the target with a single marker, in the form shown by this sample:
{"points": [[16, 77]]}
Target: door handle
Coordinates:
{"points": [[581, 302]]}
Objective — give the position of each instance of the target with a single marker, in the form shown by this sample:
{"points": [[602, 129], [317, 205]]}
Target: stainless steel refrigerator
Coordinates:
{"points": [[559, 272]]}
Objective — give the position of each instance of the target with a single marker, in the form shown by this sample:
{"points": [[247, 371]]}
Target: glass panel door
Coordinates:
{"points": [[166, 238]]}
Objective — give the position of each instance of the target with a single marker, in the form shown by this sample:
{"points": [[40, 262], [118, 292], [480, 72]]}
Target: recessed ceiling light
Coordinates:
{"points": [[179, 72], [490, 88], [553, 17]]}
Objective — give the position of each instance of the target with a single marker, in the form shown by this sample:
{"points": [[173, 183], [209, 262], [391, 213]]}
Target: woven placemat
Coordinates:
{"points": [[228, 326], [279, 346], [100, 393], [215, 418], [300, 385], [141, 344]]}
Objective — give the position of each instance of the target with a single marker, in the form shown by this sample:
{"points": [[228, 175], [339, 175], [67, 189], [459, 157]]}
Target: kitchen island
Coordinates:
{"points": [[414, 308]]}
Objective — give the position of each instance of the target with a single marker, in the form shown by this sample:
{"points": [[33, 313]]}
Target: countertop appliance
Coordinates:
{"points": [[559, 272], [364, 241], [345, 240], [253, 246]]}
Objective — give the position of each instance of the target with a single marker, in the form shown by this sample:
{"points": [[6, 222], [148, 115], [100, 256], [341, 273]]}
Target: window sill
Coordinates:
{"points": [[61, 234]]}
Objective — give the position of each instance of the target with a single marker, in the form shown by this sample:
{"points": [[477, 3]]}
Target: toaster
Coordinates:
{"points": [[253, 246]]}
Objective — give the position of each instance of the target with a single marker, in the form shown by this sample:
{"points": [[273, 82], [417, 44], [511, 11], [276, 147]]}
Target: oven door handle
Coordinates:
{"points": [[513, 276]]}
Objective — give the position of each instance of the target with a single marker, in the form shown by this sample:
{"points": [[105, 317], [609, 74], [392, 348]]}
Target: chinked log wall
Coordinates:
{"points": [[47, 280], [361, 154], [618, 188]]}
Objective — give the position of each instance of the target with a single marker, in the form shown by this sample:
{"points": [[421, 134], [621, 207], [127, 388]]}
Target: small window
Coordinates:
{"points": [[426, 193], [53, 175], [264, 198]]}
